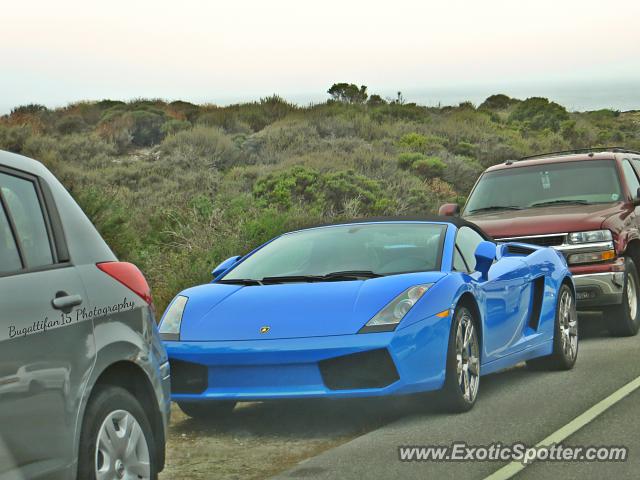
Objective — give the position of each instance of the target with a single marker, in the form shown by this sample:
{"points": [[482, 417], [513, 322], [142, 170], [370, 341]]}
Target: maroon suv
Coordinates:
{"points": [[583, 203]]}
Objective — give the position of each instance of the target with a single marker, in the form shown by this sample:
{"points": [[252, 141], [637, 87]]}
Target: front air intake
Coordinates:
{"points": [[370, 369], [187, 377]]}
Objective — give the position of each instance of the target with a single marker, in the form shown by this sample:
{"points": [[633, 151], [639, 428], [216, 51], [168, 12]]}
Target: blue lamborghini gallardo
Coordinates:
{"points": [[369, 308]]}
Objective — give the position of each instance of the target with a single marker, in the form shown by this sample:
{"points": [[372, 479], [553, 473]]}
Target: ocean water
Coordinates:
{"points": [[584, 96], [575, 97]]}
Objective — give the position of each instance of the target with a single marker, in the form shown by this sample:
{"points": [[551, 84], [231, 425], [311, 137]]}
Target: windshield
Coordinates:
{"points": [[594, 181], [376, 249]]}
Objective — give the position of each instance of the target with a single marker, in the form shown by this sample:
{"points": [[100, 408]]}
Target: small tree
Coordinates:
{"points": [[348, 93], [376, 100], [498, 102]]}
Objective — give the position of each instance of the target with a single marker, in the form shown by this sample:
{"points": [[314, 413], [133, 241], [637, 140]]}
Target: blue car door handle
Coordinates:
{"points": [[63, 301]]}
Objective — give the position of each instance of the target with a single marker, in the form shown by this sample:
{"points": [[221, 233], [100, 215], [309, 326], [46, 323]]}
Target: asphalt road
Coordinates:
{"points": [[514, 406]]}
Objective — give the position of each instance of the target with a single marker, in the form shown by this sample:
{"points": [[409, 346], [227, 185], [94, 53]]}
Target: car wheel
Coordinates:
{"points": [[207, 410], [462, 380], [565, 335], [116, 440], [624, 320]]}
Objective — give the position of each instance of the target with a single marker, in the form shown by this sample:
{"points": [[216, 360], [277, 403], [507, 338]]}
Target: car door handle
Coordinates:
{"points": [[64, 301]]}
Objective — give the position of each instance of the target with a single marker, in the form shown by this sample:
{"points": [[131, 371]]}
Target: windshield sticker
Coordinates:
{"points": [[546, 181]]}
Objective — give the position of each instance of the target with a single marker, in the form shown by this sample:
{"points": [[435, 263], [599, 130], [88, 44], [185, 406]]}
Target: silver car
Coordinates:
{"points": [[84, 377]]}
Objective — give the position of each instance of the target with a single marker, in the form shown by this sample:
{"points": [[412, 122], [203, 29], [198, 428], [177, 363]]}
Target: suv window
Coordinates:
{"points": [[630, 178], [21, 198], [9, 257], [467, 240], [521, 187]]}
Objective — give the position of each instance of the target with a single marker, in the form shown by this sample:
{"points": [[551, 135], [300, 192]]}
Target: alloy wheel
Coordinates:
{"points": [[467, 358]]}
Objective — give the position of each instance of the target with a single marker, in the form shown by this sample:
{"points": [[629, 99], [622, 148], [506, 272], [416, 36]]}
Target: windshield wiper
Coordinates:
{"points": [[240, 281], [352, 274], [292, 279], [495, 207], [329, 277], [560, 202]]}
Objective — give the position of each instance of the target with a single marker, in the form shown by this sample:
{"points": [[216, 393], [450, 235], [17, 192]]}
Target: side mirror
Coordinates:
{"points": [[449, 209], [636, 200], [485, 255], [224, 266]]}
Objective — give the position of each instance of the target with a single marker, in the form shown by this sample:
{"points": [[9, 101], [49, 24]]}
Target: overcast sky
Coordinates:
{"points": [[53, 52]]}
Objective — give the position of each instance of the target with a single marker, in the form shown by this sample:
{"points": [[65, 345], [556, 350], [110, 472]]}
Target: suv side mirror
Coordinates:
{"points": [[449, 209], [485, 255], [636, 200], [224, 266]]}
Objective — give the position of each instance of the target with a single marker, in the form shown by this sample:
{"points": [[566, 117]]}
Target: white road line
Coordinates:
{"points": [[570, 428]]}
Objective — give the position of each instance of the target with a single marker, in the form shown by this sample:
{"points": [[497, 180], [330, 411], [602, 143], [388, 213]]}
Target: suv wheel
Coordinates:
{"points": [[116, 440], [624, 320]]}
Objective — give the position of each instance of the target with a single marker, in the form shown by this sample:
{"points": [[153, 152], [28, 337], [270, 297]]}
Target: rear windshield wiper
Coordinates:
{"points": [[240, 281], [560, 202], [495, 207]]}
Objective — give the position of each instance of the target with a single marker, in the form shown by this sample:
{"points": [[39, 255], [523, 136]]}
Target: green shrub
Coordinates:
{"points": [[498, 102], [416, 142], [172, 126], [199, 147], [13, 138], [406, 160], [538, 113], [429, 167], [70, 124]]}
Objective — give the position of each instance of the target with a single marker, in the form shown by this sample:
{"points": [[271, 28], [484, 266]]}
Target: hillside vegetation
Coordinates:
{"points": [[177, 187]]}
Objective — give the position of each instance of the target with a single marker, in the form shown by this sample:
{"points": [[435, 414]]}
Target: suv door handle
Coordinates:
{"points": [[65, 302]]}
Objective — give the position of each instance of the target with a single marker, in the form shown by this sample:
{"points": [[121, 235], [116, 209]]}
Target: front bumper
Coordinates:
{"points": [[598, 289], [408, 360]]}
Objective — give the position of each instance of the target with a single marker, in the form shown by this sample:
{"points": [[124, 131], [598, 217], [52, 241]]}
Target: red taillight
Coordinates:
{"points": [[128, 275]]}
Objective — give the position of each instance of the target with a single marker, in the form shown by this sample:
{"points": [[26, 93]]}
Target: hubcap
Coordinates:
{"points": [[121, 450], [632, 297], [467, 358], [568, 325]]}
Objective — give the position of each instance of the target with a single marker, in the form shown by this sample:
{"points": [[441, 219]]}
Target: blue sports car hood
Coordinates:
{"points": [[290, 310]]}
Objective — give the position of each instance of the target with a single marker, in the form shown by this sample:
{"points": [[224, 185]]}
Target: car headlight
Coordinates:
{"points": [[592, 257], [172, 319], [591, 236], [390, 316]]}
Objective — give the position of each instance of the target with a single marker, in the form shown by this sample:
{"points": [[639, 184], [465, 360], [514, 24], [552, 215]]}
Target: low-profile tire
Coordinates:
{"points": [[623, 320], [565, 335], [462, 379], [116, 439], [207, 410]]}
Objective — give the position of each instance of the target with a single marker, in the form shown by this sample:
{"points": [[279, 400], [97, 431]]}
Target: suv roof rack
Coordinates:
{"points": [[576, 151]]}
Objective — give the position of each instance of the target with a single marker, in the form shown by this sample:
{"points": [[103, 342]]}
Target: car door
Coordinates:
{"points": [[506, 295], [45, 347], [631, 169]]}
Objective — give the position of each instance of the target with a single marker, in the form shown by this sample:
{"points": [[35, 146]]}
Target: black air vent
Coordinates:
{"points": [[519, 250], [187, 377], [371, 369], [536, 308]]}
